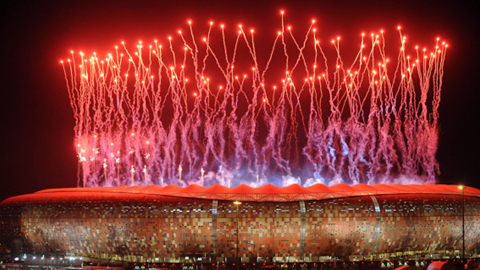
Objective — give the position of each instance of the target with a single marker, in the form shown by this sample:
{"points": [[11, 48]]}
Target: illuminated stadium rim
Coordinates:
{"points": [[246, 193]]}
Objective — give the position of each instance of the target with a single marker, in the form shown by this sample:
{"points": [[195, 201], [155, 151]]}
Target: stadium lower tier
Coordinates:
{"points": [[138, 226]]}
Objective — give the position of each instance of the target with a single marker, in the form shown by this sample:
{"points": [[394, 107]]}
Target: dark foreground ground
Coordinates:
{"points": [[453, 264]]}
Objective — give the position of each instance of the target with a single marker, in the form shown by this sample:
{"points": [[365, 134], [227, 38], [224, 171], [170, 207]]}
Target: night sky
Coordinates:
{"points": [[36, 146]]}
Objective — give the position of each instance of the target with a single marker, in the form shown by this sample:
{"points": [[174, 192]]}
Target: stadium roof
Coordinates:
{"points": [[246, 193]]}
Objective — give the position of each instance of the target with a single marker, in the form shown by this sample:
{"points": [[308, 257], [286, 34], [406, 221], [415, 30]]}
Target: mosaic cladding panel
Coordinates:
{"points": [[173, 228]]}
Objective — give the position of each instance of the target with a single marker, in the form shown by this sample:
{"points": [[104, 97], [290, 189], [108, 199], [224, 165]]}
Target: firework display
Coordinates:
{"points": [[210, 109]]}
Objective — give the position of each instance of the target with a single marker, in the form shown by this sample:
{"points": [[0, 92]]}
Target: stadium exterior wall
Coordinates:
{"points": [[139, 227]]}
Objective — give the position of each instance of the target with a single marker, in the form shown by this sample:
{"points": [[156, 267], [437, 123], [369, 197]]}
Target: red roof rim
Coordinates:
{"points": [[273, 193]]}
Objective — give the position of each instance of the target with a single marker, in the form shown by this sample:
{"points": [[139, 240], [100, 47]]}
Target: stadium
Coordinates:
{"points": [[220, 226]]}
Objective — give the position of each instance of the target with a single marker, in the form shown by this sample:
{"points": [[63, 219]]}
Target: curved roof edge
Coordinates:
{"points": [[245, 193]]}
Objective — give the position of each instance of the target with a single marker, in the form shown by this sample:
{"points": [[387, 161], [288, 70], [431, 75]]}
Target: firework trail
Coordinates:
{"points": [[185, 113]]}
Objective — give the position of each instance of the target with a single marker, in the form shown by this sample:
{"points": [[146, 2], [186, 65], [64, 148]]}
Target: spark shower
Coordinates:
{"points": [[212, 109]]}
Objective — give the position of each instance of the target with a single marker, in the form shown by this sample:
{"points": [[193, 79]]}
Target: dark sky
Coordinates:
{"points": [[36, 146]]}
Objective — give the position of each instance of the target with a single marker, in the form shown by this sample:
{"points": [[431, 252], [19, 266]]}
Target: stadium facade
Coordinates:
{"points": [[291, 224]]}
